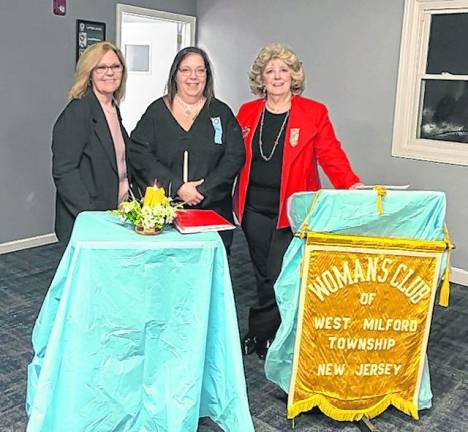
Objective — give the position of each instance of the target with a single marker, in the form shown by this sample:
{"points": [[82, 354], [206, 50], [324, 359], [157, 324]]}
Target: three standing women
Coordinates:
{"points": [[286, 136], [191, 143]]}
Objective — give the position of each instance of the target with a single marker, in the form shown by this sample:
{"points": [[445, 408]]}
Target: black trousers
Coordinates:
{"points": [[226, 237], [267, 246]]}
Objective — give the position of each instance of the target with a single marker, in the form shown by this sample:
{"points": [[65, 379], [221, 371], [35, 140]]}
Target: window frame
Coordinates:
{"points": [[413, 58]]}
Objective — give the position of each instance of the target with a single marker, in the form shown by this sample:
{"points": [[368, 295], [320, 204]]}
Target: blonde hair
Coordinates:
{"points": [[283, 53], [87, 62]]}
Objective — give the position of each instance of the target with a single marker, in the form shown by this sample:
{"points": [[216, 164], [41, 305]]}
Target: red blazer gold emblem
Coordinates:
{"points": [[294, 136]]}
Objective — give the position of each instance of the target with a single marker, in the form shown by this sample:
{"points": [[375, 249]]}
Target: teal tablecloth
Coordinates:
{"points": [[408, 214], [137, 334]]}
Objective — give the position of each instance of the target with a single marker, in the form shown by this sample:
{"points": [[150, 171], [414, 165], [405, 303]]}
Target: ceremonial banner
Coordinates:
{"points": [[364, 318]]}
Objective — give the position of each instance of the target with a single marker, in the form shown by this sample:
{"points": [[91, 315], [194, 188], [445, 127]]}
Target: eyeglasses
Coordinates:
{"points": [[185, 71], [115, 68]]}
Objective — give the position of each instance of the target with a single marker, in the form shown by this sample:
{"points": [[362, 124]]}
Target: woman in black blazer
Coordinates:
{"points": [[89, 143]]}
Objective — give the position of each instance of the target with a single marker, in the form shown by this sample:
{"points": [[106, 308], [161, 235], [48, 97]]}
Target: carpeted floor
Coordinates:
{"points": [[26, 275]]}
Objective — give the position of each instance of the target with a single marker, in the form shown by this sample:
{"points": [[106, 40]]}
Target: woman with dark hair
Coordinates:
{"points": [[189, 141]]}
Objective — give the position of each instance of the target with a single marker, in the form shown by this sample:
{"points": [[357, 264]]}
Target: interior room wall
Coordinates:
{"points": [[350, 51], [37, 60]]}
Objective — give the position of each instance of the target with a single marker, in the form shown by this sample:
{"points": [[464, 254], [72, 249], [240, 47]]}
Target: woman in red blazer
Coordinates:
{"points": [[286, 136]]}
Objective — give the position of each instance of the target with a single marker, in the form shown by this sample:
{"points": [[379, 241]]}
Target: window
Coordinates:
{"points": [[431, 114], [137, 57]]}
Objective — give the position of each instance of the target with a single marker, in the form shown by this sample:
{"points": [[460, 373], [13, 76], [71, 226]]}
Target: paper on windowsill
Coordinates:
{"points": [[389, 187]]}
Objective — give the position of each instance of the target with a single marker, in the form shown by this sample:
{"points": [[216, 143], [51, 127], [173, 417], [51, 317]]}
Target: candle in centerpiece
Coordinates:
{"points": [[185, 168], [154, 196], [159, 196], [148, 195]]}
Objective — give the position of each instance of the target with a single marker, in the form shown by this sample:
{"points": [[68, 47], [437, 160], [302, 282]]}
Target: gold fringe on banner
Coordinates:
{"points": [[335, 413]]}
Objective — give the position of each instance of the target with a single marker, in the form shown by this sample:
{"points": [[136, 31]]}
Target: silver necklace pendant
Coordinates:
{"points": [[190, 111], [275, 144]]}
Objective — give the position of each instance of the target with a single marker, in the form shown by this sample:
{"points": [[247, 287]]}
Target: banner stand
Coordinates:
{"points": [[341, 276]]}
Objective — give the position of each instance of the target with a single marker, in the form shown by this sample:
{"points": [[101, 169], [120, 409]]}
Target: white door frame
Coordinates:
{"points": [[168, 16]]}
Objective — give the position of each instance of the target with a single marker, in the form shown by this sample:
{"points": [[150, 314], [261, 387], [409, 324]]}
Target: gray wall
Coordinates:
{"points": [[350, 51], [37, 62]]}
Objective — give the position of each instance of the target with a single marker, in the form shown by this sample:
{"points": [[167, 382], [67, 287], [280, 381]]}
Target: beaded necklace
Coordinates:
{"points": [[260, 143]]}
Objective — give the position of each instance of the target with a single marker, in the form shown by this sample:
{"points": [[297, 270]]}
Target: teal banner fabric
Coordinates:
{"points": [[406, 214], [137, 333]]}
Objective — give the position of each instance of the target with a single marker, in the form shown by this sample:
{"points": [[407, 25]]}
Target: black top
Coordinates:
{"points": [[215, 152], [84, 165], [265, 177]]}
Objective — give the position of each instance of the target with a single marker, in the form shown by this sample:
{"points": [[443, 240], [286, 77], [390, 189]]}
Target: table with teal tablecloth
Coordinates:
{"points": [[137, 333]]}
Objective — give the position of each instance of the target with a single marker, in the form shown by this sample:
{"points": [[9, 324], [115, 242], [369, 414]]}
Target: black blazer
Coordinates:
{"points": [[84, 165]]}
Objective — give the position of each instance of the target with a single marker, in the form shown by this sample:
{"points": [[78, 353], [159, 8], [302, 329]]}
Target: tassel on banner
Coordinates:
{"points": [[304, 228], [302, 231], [445, 288], [381, 192], [444, 295]]}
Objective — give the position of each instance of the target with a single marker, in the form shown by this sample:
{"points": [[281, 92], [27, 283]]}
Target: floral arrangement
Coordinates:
{"points": [[150, 215]]}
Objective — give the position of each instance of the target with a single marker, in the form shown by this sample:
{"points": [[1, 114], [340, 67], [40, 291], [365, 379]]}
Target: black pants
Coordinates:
{"points": [[226, 237], [267, 246]]}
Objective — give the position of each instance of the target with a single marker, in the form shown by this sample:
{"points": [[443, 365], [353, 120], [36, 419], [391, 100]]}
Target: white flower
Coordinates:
{"points": [[149, 217]]}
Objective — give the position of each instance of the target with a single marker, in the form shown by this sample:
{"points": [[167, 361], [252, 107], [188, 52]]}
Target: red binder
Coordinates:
{"points": [[193, 221]]}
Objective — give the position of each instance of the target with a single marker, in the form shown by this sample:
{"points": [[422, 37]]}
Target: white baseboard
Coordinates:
{"points": [[459, 276], [27, 243]]}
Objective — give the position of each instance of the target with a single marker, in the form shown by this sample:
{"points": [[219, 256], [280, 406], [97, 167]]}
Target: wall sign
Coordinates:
{"points": [[60, 7], [87, 34]]}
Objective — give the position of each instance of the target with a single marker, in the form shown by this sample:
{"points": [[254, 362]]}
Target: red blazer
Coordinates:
{"points": [[309, 139]]}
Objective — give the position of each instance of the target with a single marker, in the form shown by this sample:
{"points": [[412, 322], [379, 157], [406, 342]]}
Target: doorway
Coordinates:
{"points": [[149, 40]]}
